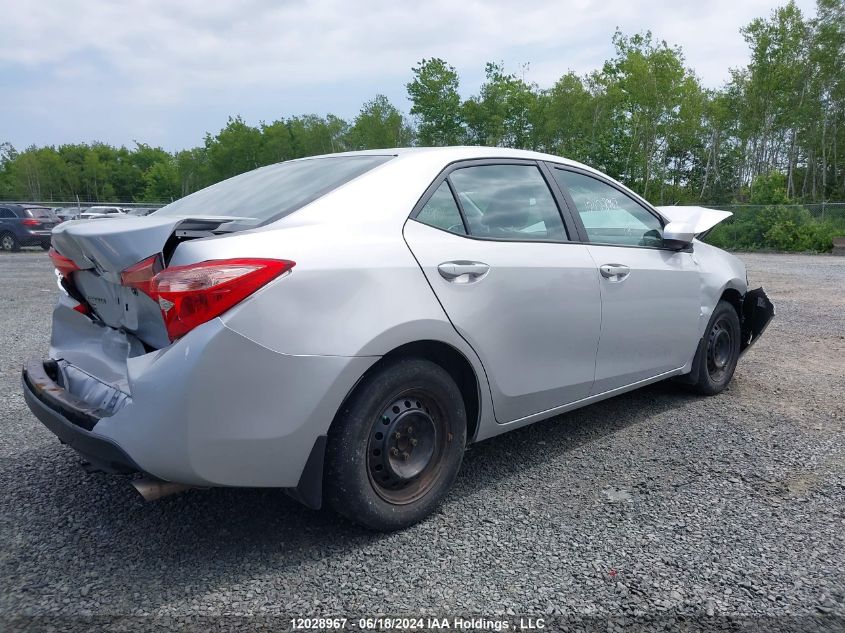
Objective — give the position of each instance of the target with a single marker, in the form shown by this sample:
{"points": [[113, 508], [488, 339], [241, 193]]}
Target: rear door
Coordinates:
{"points": [[650, 294], [492, 242]]}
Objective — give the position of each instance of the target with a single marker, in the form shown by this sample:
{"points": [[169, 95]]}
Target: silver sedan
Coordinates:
{"points": [[343, 326]]}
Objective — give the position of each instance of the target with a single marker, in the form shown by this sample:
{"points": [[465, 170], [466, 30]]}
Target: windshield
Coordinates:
{"points": [[275, 191]]}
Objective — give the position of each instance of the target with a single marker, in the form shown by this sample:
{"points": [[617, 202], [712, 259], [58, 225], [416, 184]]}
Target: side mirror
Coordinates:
{"points": [[678, 235]]}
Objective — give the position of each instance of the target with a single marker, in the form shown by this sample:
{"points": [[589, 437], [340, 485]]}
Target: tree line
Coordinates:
{"points": [[774, 133]]}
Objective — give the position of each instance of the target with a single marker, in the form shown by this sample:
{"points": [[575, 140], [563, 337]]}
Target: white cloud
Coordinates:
{"points": [[161, 66]]}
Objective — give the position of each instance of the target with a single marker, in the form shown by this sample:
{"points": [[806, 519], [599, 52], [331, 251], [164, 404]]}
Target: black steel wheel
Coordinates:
{"points": [[396, 447], [719, 350], [406, 446]]}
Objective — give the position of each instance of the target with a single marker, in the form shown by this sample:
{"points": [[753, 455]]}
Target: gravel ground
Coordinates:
{"points": [[656, 502]]}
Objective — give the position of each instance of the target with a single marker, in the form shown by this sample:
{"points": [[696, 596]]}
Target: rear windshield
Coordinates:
{"points": [[275, 191], [37, 212]]}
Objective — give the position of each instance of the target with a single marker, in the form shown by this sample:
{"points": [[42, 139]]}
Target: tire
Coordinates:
{"points": [[387, 482], [45, 246], [718, 351], [8, 242]]}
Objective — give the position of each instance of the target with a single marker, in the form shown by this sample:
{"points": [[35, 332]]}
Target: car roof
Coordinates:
{"points": [[392, 188], [456, 152], [453, 153]]}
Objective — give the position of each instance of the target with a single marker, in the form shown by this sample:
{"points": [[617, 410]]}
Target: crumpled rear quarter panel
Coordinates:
{"points": [[219, 409]]}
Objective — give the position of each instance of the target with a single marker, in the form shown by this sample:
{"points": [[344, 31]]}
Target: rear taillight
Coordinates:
{"points": [[140, 275], [31, 222], [191, 295], [65, 265]]}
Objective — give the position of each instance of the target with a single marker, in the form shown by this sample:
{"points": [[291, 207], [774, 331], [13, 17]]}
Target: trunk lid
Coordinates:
{"points": [[103, 249]]}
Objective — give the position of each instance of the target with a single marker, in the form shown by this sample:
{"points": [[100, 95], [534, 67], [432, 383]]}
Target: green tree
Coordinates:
{"points": [[233, 150], [655, 106], [501, 113], [312, 135], [193, 170], [161, 182], [436, 103], [379, 125], [567, 119], [775, 93], [774, 132]]}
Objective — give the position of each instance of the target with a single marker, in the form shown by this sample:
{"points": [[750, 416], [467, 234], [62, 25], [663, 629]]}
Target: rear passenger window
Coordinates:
{"points": [[6, 213], [508, 202], [441, 211]]}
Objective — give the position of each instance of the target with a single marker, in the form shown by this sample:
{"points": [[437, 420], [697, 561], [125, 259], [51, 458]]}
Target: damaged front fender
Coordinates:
{"points": [[757, 312]]}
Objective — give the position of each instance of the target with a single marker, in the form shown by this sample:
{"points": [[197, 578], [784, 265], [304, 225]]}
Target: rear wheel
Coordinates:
{"points": [[397, 446], [45, 246], [8, 242], [719, 350]]}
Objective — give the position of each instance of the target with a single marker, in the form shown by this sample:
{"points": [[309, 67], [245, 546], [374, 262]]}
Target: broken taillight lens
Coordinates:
{"points": [[140, 275], [65, 265], [191, 295]]}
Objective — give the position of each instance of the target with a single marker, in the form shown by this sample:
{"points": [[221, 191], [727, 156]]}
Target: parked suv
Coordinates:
{"points": [[25, 225]]}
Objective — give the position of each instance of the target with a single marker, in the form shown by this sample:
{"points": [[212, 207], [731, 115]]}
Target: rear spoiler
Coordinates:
{"points": [[700, 219]]}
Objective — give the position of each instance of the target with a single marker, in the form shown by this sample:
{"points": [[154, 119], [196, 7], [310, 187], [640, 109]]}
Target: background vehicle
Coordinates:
{"points": [[25, 225], [342, 326], [103, 212], [67, 213], [140, 211]]}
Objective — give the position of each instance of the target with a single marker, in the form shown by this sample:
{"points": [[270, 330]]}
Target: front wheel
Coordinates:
{"points": [[719, 350], [397, 446]]}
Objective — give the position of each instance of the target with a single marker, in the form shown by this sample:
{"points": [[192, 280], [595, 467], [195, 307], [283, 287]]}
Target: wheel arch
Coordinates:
{"points": [[449, 358], [734, 297], [310, 488]]}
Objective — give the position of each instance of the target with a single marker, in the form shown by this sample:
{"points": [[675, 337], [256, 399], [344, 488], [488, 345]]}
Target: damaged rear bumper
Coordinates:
{"points": [[757, 313], [212, 409], [70, 418]]}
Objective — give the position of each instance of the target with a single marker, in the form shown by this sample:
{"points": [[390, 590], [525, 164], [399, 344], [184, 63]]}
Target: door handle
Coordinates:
{"points": [[614, 272], [462, 272]]}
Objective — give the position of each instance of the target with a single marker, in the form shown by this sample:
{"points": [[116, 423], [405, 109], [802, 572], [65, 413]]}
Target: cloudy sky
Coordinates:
{"points": [[164, 72]]}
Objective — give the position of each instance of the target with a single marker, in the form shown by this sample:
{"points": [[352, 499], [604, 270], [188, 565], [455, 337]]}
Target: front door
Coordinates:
{"points": [[650, 295]]}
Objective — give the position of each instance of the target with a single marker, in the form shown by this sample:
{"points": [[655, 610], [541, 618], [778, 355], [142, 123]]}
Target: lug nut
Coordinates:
{"points": [[410, 430], [394, 451], [397, 435], [413, 441], [405, 456]]}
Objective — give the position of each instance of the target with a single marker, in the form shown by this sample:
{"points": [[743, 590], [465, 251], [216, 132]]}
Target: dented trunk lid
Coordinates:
{"points": [[103, 249]]}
